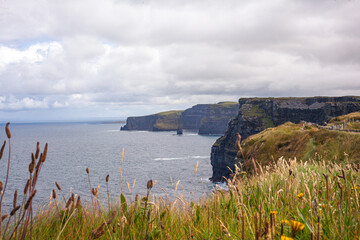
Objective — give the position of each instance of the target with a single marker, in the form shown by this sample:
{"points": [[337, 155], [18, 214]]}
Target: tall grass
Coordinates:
{"points": [[288, 200], [299, 200]]}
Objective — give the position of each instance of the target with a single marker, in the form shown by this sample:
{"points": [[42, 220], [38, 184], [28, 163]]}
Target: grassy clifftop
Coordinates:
{"points": [[304, 142], [168, 120], [349, 121]]}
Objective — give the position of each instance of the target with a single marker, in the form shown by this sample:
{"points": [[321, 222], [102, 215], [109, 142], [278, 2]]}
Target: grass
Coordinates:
{"points": [[350, 121], [294, 140], [168, 120], [322, 197], [300, 200]]}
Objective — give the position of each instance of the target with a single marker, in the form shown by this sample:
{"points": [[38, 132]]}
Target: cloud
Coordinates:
{"points": [[107, 54]]}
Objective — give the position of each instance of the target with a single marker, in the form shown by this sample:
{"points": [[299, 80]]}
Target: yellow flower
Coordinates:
{"points": [[284, 221], [297, 226], [300, 195], [283, 237], [273, 212]]}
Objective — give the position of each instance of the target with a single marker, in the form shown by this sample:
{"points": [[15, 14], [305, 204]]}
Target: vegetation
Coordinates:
{"points": [[304, 141], [287, 199], [168, 120], [350, 121]]}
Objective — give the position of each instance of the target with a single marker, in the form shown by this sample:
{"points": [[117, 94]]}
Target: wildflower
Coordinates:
{"points": [[273, 212], [283, 237], [284, 221], [297, 226], [300, 195]]}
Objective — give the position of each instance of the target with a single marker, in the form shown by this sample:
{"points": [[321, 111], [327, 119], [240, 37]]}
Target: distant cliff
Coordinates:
{"points": [[257, 114], [204, 118], [164, 121]]}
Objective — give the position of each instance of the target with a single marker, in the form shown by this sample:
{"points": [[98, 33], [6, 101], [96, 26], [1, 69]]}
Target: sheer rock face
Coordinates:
{"points": [[204, 118], [257, 114]]}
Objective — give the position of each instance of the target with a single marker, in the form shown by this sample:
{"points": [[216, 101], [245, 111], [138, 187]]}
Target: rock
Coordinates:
{"points": [[179, 131], [257, 114]]}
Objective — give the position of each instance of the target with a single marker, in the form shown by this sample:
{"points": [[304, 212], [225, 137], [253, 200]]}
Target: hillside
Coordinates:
{"points": [[303, 141], [258, 114]]}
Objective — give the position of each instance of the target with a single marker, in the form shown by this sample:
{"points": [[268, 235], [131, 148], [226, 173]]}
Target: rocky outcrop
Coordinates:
{"points": [[257, 114], [204, 118]]}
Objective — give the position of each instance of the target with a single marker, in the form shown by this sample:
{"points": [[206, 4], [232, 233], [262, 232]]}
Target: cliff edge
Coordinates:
{"points": [[257, 114]]}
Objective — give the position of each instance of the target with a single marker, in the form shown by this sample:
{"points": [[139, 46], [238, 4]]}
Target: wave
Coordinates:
{"points": [[180, 158], [113, 130]]}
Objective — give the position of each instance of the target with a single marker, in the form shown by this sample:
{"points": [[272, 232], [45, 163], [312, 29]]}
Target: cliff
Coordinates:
{"points": [[204, 118], [257, 114], [164, 121]]}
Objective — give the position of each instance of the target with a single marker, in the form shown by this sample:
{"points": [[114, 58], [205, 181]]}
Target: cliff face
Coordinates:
{"points": [[165, 121], [257, 114], [204, 118], [217, 118]]}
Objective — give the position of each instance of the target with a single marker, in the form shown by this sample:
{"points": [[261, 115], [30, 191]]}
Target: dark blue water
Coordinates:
{"points": [[161, 156]]}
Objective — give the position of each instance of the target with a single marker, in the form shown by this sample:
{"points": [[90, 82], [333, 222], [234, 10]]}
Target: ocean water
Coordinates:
{"points": [[162, 156]]}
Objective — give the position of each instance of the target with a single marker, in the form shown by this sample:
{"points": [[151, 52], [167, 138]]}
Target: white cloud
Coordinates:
{"points": [[74, 54]]}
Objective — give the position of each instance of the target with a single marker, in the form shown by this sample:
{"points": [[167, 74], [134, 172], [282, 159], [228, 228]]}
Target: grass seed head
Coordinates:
{"points": [[7, 130], [98, 232], [3, 217], [58, 186], [107, 178], [1, 186], [78, 202], [15, 198], [2, 149], [112, 217], [45, 153], [32, 164], [69, 201], [26, 186], [87, 170], [54, 195], [149, 184], [14, 210], [37, 150]]}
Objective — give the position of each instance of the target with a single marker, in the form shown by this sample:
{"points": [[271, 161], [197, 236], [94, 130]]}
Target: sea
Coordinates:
{"points": [[130, 158]]}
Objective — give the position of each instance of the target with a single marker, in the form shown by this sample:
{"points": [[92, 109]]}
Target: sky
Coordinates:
{"points": [[88, 59]]}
